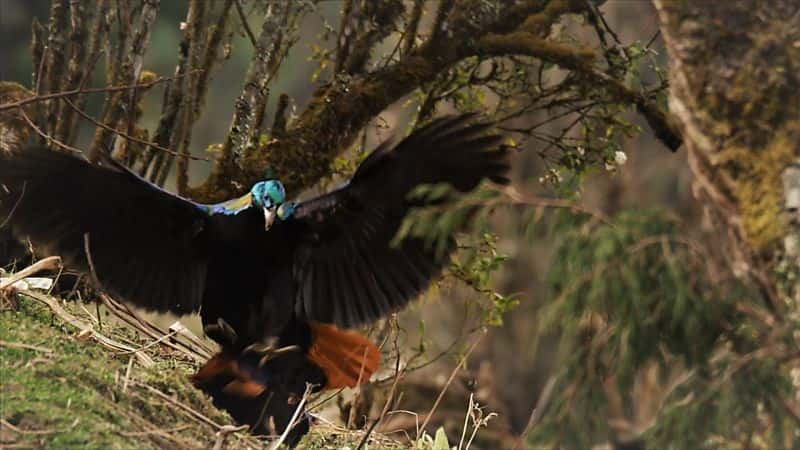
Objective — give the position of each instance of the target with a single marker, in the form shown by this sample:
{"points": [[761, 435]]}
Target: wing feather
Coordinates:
{"points": [[147, 246], [354, 273]]}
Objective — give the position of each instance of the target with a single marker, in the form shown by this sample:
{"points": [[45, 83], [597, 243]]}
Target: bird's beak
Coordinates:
{"points": [[269, 217]]}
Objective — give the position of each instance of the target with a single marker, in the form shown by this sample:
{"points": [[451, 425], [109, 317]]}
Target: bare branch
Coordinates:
{"points": [[56, 42], [79, 91], [125, 135], [129, 73], [410, 32], [245, 24]]}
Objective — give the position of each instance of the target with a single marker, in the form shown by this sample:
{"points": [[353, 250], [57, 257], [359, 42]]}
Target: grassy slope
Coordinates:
{"points": [[71, 393]]}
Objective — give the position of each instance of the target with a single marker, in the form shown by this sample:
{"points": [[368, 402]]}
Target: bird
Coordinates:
{"points": [[280, 285]]}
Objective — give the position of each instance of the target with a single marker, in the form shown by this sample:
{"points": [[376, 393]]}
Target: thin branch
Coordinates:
{"points": [[538, 411], [410, 33], [23, 346], [80, 91], [47, 264], [192, 412], [338, 111], [122, 312], [245, 24], [453, 374], [125, 135], [279, 122], [86, 329], [130, 73], [293, 421], [210, 56], [47, 138], [579, 60], [442, 15], [170, 124], [397, 376], [75, 66], [346, 33], [56, 40]]}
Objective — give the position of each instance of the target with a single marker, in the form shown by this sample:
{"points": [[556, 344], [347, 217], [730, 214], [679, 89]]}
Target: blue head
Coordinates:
{"points": [[270, 196]]}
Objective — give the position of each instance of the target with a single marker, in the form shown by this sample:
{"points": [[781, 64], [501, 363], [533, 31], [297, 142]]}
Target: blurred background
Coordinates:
{"points": [[512, 363]]}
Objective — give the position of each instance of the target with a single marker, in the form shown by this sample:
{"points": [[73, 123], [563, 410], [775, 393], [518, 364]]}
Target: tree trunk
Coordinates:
{"points": [[735, 73]]}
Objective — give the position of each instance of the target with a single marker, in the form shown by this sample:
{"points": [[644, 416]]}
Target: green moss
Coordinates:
{"points": [[59, 391], [69, 395], [759, 191]]}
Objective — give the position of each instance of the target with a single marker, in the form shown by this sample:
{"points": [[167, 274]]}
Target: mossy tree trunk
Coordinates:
{"points": [[735, 69]]}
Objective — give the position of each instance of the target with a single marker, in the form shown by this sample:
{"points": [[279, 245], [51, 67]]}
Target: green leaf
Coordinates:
{"points": [[441, 442]]}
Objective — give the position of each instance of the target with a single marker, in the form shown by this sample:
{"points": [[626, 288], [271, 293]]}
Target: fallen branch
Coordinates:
{"points": [[20, 345], [47, 264], [192, 412], [122, 312], [86, 329]]}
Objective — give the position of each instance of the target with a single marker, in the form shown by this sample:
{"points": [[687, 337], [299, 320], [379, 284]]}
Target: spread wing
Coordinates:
{"points": [[144, 244], [346, 271]]}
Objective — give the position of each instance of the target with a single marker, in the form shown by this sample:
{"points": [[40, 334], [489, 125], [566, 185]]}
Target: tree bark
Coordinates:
{"points": [[735, 80]]}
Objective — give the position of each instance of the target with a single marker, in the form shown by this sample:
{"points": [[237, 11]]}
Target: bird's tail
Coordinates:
{"points": [[347, 358], [266, 394]]}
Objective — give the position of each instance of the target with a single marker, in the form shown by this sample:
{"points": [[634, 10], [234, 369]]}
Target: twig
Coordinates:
{"points": [[86, 329], [125, 314], [16, 205], [389, 398], [410, 33], [179, 405], [75, 66], [155, 342], [46, 136], [157, 432], [56, 40], [18, 430], [440, 22], [293, 421], [180, 329], [210, 56], [133, 63], [538, 410], [99, 29], [127, 375], [51, 263], [174, 105], [23, 346], [37, 44], [458, 367], [279, 122], [150, 429], [344, 37], [126, 135], [245, 25], [79, 91], [222, 434]]}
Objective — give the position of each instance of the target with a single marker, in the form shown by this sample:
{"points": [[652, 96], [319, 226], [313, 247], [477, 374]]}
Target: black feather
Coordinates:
{"points": [[358, 222]]}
